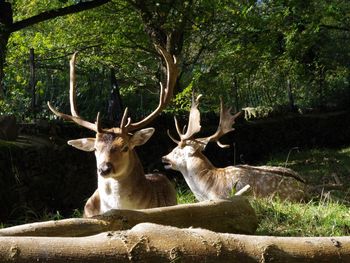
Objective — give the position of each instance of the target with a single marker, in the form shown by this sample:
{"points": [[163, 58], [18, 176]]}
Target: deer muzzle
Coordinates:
{"points": [[105, 168], [166, 162]]}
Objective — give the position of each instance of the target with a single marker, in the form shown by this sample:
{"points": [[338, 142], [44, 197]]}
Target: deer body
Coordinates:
{"points": [[209, 182], [122, 183], [113, 194], [132, 190]]}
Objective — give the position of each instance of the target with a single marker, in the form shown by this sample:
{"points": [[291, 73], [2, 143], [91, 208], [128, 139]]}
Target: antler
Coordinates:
{"points": [[225, 125], [166, 93], [194, 119], [72, 101]]}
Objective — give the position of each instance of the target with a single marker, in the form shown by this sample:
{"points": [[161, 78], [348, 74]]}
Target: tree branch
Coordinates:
{"points": [[47, 15], [335, 27]]}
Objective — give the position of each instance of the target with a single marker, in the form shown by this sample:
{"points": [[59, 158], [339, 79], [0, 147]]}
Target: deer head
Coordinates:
{"points": [[114, 147], [188, 146]]}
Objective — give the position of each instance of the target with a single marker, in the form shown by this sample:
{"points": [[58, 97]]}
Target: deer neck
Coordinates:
{"points": [[198, 174], [123, 192]]}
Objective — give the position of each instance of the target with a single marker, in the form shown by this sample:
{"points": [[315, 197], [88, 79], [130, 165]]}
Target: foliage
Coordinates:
{"points": [[245, 51]]}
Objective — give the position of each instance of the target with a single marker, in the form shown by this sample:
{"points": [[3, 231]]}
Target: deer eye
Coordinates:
{"points": [[113, 149], [125, 148]]}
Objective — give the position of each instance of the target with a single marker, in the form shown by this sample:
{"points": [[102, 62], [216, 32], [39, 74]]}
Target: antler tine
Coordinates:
{"points": [[172, 138], [72, 101], [72, 86], [166, 93], [225, 125], [98, 123], [194, 125], [124, 124], [77, 120]]}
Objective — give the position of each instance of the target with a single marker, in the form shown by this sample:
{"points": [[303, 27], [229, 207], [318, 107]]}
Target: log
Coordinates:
{"points": [[149, 242], [234, 216]]}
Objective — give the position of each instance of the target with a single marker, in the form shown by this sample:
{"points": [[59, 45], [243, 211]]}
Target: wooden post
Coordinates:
{"points": [[32, 82], [235, 93], [292, 107]]}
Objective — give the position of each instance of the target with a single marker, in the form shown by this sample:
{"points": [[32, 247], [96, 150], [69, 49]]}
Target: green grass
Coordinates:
{"points": [[281, 218], [185, 196]]}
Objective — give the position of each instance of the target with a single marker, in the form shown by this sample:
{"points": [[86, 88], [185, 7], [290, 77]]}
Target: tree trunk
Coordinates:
{"points": [[236, 216], [292, 106], [6, 20], [149, 242], [4, 37], [115, 107], [2, 63]]}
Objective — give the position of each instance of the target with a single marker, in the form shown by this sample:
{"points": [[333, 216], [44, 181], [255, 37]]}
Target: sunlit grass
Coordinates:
{"points": [[185, 196], [281, 218]]}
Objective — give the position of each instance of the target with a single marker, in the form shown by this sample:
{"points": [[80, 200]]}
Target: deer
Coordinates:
{"points": [[208, 182], [121, 180]]}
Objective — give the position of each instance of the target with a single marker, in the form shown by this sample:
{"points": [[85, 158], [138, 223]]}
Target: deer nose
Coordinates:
{"points": [[105, 168]]}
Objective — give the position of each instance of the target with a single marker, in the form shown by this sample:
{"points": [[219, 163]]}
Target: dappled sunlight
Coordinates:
{"points": [[320, 166]]}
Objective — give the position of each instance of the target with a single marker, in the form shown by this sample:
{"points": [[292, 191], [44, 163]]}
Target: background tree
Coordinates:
{"points": [[8, 25], [254, 53]]}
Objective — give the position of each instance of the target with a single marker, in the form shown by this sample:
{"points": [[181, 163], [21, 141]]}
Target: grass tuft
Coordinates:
{"points": [[283, 218]]}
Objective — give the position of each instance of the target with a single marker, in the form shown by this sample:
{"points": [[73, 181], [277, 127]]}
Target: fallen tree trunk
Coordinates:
{"points": [[234, 216], [148, 242]]}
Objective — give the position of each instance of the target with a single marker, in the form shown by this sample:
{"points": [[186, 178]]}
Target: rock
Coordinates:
{"points": [[8, 127]]}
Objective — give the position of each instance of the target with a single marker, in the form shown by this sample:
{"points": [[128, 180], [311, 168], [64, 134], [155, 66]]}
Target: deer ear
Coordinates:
{"points": [[85, 144], [140, 137]]}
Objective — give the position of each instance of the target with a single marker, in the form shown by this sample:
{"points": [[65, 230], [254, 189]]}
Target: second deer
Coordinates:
{"points": [[209, 182], [122, 182]]}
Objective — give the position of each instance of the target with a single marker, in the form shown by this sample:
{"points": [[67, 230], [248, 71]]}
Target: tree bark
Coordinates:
{"points": [[236, 216], [4, 37], [149, 242], [115, 106], [50, 14]]}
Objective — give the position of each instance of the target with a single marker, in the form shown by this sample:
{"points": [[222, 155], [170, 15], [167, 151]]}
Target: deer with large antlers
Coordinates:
{"points": [[122, 182], [209, 182]]}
